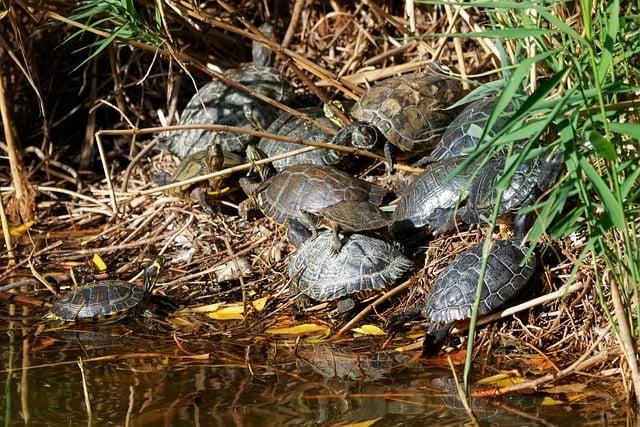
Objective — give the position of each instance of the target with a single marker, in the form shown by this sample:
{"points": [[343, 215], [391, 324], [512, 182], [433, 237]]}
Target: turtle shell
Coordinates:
{"points": [[310, 188], [453, 293], [532, 178], [355, 216], [196, 164], [218, 103], [363, 264], [108, 300], [288, 125], [409, 109], [431, 199], [465, 131]]}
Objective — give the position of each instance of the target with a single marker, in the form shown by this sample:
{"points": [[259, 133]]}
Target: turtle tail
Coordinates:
{"points": [[434, 339]]}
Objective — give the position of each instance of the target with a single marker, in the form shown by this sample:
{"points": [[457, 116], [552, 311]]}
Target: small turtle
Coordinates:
{"points": [[218, 103], [407, 110], [288, 125], [351, 217], [196, 164], [431, 200], [308, 188], [364, 264], [532, 178], [453, 293], [105, 301], [465, 131]]}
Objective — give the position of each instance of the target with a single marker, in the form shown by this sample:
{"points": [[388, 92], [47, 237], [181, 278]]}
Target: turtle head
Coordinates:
{"points": [[215, 157], [261, 53], [364, 136], [297, 233], [151, 273]]}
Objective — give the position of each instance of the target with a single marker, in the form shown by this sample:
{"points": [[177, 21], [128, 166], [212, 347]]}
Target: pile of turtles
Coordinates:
{"points": [[348, 241]]}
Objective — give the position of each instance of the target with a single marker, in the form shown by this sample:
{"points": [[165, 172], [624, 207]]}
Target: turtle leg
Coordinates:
{"points": [[434, 339], [307, 220], [389, 152], [201, 195], [397, 321], [345, 305], [336, 242]]}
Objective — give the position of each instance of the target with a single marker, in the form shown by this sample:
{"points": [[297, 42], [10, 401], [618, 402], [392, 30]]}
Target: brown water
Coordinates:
{"points": [[250, 382]]}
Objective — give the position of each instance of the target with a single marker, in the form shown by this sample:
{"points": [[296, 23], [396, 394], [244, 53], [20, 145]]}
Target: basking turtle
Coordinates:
{"points": [[196, 164], [407, 110], [105, 301], [308, 188], [465, 131], [351, 217], [532, 178], [431, 200], [288, 125], [364, 264], [453, 293], [218, 103]]}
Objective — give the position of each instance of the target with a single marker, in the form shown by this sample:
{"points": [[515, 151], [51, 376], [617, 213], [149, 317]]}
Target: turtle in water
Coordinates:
{"points": [[365, 264], [530, 180], [105, 301], [288, 125], [453, 293], [196, 164], [465, 131], [406, 110], [308, 188], [430, 201], [349, 216], [218, 103]]}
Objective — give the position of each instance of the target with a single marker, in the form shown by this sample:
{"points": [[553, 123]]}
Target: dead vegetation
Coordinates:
{"points": [[91, 196]]}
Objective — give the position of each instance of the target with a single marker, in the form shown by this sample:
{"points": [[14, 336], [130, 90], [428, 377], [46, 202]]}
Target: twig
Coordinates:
{"points": [[291, 29], [107, 175], [461, 394], [6, 234], [85, 392]]}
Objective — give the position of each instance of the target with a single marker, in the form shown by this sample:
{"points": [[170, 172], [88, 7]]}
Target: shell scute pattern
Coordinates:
{"points": [[363, 264], [108, 299], [311, 188], [288, 125], [427, 200], [223, 105], [408, 108], [465, 130], [453, 293]]}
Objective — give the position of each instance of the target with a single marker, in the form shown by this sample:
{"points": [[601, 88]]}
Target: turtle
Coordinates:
{"points": [[308, 188], [289, 125], [432, 198], [406, 110], [350, 216], [465, 131], [365, 264], [451, 298], [105, 301], [531, 178], [196, 164], [218, 103]]}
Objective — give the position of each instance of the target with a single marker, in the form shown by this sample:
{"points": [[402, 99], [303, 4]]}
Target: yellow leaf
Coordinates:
{"points": [[98, 262], [229, 312], [21, 229], [548, 401], [369, 330], [180, 322], [366, 423], [164, 361], [502, 380], [260, 303], [302, 329]]}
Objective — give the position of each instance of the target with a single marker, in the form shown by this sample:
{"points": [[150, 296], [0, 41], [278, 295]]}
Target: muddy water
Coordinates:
{"points": [[134, 378]]}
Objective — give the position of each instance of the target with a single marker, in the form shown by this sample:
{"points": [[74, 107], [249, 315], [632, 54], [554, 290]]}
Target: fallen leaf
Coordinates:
{"points": [[21, 229], [98, 262], [502, 380], [302, 329], [369, 330], [260, 303], [180, 322], [548, 401], [230, 312], [566, 388], [200, 309], [366, 423]]}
